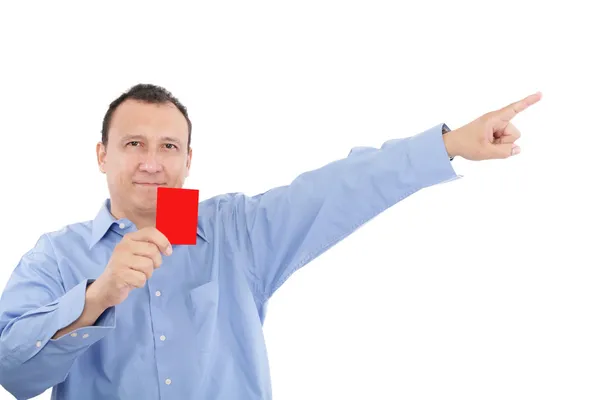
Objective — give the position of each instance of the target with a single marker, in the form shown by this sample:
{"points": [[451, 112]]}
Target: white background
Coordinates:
{"points": [[483, 288]]}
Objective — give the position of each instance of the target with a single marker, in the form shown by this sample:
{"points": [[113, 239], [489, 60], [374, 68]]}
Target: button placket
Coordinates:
{"points": [[156, 294], [161, 332]]}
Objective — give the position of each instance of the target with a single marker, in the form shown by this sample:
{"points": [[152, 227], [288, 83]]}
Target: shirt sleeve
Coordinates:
{"points": [[33, 307], [287, 227]]}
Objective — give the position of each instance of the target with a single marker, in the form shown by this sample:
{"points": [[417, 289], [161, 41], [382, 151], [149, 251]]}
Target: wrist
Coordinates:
{"points": [[95, 304], [92, 310], [450, 142]]}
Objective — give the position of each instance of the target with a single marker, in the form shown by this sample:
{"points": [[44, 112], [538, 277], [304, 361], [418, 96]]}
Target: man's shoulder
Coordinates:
{"points": [[66, 232], [64, 238]]}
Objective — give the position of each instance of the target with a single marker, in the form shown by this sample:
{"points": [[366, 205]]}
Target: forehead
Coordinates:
{"points": [[133, 117]]}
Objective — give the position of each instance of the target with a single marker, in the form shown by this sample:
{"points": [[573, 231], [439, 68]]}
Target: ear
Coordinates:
{"points": [[101, 156], [188, 162]]}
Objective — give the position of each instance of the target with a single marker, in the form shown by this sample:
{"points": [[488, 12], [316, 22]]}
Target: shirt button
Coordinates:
{"points": [[85, 335], [74, 334], [38, 344], [157, 293], [122, 225], [168, 381], [163, 338]]}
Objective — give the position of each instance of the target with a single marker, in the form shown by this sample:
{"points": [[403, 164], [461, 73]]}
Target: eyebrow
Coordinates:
{"points": [[162, 138]]}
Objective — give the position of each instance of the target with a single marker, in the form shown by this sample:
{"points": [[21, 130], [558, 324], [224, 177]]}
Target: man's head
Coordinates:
{"points": [[146, 135]]}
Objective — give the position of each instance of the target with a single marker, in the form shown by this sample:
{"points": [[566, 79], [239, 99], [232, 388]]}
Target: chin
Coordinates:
{"points": [[146, 201]]}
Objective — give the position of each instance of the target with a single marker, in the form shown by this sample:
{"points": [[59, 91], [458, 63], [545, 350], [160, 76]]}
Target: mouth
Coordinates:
{"points": [[147, 184]]}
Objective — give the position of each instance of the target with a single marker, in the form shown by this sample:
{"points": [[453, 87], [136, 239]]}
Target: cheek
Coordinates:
{"points": [[176, 171], [121, 170], [176, 165]]}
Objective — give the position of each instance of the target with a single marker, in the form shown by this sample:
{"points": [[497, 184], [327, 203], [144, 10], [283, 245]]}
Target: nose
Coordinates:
{"points": [[151, 164]]}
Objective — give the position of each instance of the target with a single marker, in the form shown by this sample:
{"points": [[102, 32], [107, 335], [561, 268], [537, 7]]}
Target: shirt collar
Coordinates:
{"points": [[104, 220]]}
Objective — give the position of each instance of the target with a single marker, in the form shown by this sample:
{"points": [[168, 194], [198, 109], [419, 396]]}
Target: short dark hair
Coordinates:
{"points": [[147, 93]]}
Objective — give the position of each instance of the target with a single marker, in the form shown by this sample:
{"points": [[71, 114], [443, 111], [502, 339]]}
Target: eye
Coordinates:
{"points": [[170, 146], [134, 143]]}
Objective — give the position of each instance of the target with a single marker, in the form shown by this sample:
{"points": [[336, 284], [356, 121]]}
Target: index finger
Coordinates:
{"points": [[153, 235], [510, 111]]}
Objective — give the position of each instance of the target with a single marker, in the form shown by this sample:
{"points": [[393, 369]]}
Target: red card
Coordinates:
{"points": [[177, 214]]}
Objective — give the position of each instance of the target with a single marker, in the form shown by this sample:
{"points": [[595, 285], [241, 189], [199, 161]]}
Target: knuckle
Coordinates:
{"points": [[144, 247], [140, 279]]}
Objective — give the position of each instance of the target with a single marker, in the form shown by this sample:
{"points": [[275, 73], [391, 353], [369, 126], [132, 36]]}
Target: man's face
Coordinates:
{"points": [[147, 148]]}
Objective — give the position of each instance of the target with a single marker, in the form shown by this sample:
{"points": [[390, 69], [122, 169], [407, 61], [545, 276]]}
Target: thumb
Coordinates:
{"points": [[505, 150]]}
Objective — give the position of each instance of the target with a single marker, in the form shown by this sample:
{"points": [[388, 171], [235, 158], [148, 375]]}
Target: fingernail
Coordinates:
{"points": [[169, 250], [516, 150]]}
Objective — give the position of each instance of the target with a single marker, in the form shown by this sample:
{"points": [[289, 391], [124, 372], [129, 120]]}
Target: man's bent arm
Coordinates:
{"points": [[289, 226], [43, 327]]}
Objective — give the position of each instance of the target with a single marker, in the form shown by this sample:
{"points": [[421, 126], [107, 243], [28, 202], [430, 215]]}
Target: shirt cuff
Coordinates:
{"points": [[429, 157], [70, 307]]}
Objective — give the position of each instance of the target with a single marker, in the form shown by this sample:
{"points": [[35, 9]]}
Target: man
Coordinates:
{"points": [[109, 309]]}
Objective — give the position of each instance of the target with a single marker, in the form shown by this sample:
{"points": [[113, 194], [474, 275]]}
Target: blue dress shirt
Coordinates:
{"points": [[194, 331]]}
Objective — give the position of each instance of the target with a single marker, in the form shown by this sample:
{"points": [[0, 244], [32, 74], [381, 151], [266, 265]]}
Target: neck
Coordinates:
{"points": [[141, 218]]}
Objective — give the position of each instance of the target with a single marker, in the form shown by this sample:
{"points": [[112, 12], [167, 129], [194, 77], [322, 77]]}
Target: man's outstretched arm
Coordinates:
{"points": [[287, 227]]}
